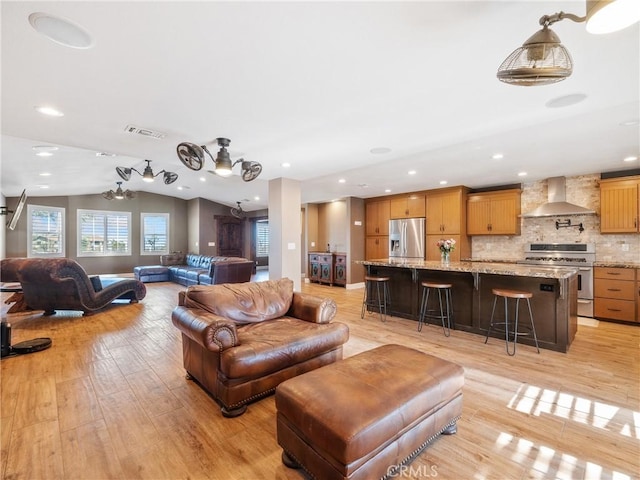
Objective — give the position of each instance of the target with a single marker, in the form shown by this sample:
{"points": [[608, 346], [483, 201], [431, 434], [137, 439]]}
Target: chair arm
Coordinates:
{"points": [[312, 308], [213, 332]]}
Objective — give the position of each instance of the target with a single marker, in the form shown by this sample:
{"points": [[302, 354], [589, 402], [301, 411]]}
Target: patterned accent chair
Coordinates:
{"points": [[62, 284]]}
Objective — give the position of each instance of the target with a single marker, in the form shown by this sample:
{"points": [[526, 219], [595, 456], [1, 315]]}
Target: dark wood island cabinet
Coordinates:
{"points": [[554, 302]]}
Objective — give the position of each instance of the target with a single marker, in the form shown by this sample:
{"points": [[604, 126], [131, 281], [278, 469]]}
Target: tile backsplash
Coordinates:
{"points": [[583, 190]]}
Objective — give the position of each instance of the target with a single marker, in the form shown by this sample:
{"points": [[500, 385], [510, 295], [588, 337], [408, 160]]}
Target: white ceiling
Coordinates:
{"points": [[315, 84]]}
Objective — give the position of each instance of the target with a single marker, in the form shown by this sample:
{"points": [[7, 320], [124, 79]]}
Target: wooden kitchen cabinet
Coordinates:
{"points": [[377, 215], [433, 250], [494, 213], [411, 206], [615, 294], [620, 205], [446, 218], [376, 247], [444, 212]]}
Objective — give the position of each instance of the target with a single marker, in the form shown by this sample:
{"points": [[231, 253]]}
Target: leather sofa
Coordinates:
{"points": [[193, 269], [240, 341], [52, 284]]}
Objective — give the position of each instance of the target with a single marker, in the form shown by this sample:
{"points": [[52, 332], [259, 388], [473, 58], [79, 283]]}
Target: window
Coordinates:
{"points": [[262, 238], [154, 239], [103, 233], [45, 231]]}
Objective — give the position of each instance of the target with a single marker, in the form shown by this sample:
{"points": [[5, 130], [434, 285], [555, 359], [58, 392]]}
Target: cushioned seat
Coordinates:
{"points": [[363, 417], [263, 346], [151, 273]]}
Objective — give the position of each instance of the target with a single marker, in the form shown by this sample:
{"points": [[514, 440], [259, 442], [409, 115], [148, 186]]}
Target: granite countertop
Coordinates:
{"points": [[328, 253], [495, 268], [614, 264]]}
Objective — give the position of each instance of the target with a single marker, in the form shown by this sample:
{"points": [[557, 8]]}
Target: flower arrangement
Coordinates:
{"points": [[447, 246]]}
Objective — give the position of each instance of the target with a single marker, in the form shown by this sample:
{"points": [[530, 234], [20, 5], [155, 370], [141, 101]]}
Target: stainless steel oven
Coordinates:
{"points": [[578, 255]]}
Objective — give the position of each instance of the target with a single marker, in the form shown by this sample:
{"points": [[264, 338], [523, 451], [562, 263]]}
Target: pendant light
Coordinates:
{"points": [[543, 60]]}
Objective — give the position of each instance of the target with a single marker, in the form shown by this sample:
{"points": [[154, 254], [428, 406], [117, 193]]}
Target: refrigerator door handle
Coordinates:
{"points": [[404, 239]]}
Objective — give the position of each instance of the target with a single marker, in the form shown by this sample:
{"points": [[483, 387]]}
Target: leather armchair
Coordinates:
{"points": [[62, 284], [240, 341]]}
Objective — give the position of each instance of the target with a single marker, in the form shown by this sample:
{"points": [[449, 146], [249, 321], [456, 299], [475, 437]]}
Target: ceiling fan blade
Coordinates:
{"points": [[109, 195], [250, 170], [128, 194], [125, 173], [191, 155], [169, 177]]}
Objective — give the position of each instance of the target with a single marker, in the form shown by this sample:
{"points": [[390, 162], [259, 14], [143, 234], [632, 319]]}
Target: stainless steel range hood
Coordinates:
{"points": [[557, 206]]}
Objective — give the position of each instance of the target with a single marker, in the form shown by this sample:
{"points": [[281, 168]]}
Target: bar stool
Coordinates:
{"points": [[381, 300], [517, 295], [424, 303]]}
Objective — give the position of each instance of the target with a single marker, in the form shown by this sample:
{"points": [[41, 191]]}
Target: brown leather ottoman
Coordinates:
{"points": [[362, 417]]}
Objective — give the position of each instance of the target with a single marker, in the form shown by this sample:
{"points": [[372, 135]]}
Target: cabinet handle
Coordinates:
{"points": [[614, 309], [613, 289], [613, 273]]}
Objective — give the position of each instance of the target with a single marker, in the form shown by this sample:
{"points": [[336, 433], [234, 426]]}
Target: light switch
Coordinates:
{"points": [[212, 244], [313, 244], [358, 223], [291, 246]]}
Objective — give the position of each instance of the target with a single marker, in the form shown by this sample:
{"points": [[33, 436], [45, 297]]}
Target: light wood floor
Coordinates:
{"points": [[109, 400]]}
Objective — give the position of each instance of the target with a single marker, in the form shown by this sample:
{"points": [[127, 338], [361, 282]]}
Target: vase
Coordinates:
{"points": [[445, 257]]}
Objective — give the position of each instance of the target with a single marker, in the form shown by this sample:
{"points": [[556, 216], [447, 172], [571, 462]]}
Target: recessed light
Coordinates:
{"points": [[522, 174], [497, 156], [443, 182], [387, 190], [630, 123], [45, 174], [256, 198], [566, 100], [630, 158], [380, 150], [285, 165], [202, 179], [43, 186], [44, 148], [44, 154], [50, 111], [342, 180], [412, 172], [60, 30]]}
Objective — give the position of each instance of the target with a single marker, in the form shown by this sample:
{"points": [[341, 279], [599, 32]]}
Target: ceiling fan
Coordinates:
{"points": [[192, 156], [237, 212], [119, 194], [147, 175]]}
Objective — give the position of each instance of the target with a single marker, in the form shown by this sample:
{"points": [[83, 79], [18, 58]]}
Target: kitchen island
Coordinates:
{"points": [[554, 302]]}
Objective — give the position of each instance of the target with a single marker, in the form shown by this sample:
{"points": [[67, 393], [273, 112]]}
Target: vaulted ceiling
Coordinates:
{"points": [[317, 85]]}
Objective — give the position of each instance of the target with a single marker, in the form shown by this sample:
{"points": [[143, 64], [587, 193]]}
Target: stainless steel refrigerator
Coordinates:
{"points": [[406, 238]]}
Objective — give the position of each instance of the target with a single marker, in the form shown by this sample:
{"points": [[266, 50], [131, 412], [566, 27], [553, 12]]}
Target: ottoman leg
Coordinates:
{"points": [[289, 461], [451, 429]]}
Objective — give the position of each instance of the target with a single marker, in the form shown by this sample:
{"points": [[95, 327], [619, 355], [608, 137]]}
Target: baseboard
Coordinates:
{"points": [[354, 286]]}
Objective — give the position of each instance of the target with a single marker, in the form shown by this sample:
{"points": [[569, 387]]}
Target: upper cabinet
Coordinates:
{"points": [[408, 207], [620, 205], [445, 212], [447, 219], [377, 217], [494, 213]]}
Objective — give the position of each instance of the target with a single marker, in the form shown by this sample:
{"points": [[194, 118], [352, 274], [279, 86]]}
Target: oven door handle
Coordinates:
{"points": [[584, 269]]}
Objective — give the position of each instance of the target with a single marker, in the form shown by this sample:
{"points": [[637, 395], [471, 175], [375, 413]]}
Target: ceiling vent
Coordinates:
{"points": [[144, 131]]}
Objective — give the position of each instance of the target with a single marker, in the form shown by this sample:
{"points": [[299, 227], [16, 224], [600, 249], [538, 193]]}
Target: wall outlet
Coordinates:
{"points": [[212, 244], [313, 244], [291, 246]]}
